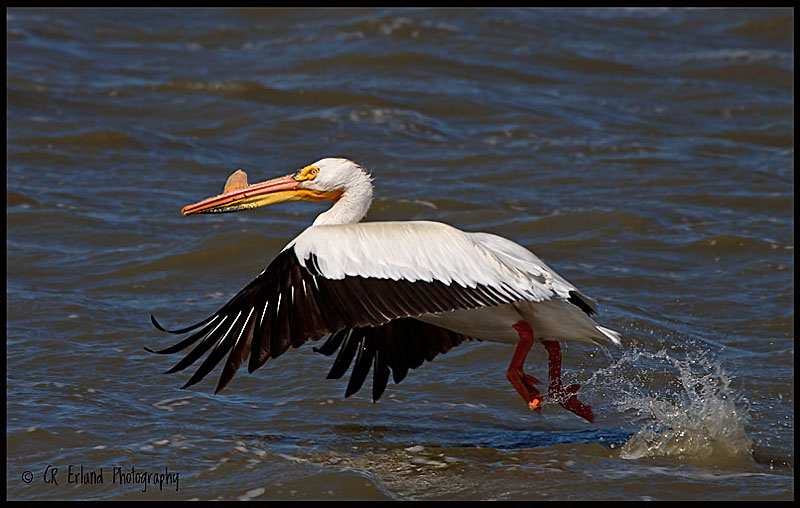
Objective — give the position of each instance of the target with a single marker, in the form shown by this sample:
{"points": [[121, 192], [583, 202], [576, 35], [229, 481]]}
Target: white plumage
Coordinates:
{"points": [[413, 251], [427, 251], [368, 283]]}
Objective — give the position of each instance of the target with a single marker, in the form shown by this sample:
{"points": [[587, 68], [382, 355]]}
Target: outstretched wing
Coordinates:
{"points": [[394, 348], [358, 279]]}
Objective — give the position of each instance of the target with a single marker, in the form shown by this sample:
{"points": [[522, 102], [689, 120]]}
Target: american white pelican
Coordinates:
{"points": [[390, 294]]}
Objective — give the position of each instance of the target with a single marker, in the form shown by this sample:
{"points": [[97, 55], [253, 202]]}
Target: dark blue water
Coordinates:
{"points": [[645, 154]]}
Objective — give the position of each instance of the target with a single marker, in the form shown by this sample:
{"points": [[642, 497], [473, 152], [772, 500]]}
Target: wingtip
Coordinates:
{"points": [[156, 323], [175, 368], [222, 384]]}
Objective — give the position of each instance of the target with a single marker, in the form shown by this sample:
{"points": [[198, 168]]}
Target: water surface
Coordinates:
{"points": [[647, 155]]}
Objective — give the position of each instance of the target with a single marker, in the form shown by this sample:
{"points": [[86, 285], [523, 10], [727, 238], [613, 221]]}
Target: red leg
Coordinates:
{"points": [[565, 396], [524, 383]]}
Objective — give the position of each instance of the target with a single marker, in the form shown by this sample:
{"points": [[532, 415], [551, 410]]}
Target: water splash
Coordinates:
{"points": [[687, 408]]}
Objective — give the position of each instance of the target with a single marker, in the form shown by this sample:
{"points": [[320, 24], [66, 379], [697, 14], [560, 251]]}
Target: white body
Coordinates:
{"points": [[426, 251]]}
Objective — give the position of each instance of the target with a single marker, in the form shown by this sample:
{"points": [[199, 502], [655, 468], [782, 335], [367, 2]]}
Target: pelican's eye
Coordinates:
{"points": [[307, 173]]}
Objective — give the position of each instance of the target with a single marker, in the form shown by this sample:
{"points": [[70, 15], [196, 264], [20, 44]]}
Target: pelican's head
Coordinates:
{"points": [[327, 179]]}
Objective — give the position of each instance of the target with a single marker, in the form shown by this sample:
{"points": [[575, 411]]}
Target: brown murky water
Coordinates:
{"points": [[647, 155]]}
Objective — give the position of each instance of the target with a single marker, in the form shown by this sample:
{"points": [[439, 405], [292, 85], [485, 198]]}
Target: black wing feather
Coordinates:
{"points": [[201, 349], [303, 305], [380, 376], [238, 353], [582, 302], [180, 346], [332, 344], [259, 352], [346, 354], [366, 352]]}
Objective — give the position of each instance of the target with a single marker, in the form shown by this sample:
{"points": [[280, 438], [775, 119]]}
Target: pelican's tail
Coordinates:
{"points": [[611, 334]]}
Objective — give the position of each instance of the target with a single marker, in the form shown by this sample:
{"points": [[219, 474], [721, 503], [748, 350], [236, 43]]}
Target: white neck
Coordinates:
{"points": [[352, 206]]}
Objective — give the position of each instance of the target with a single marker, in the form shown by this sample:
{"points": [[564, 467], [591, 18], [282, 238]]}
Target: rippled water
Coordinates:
{"points": [[647, 155]]}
